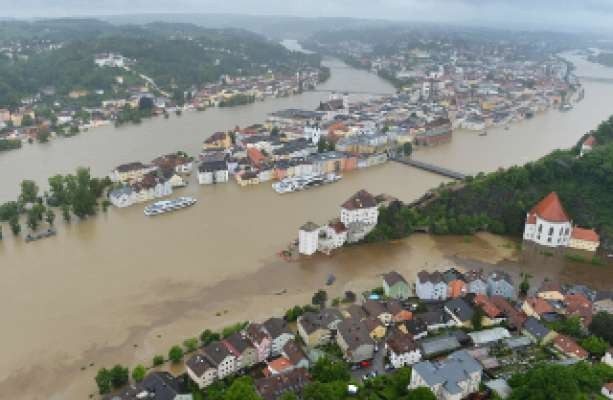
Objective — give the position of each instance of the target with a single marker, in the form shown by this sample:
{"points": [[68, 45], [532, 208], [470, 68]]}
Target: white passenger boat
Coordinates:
{"points": [[164, 206], [294, 184]]}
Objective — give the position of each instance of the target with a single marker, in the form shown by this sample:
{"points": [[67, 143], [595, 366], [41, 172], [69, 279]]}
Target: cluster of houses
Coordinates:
{"points": [[358, 216], [434, 333], [220, 93], [136, 182], [288, 145], [475, 89]]}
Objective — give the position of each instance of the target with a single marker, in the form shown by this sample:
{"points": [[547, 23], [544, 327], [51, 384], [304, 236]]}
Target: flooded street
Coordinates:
{"points": [[120, 288]]}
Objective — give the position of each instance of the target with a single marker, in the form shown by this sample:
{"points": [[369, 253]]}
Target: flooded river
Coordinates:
{"points": [[121, 287]]}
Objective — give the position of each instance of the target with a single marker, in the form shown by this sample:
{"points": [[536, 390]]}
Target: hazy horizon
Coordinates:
{"points": [[561, 15]]}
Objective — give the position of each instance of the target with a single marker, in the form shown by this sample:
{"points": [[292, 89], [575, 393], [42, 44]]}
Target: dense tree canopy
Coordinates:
{"points": [[557, 382], [498, 202]]}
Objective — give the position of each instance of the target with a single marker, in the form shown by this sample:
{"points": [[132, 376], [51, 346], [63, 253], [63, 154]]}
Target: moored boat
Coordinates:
{"points": [[164, 206], [294, 184]]}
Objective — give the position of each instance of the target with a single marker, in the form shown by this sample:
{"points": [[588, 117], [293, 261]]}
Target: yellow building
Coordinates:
{"points": [[584, 239]]}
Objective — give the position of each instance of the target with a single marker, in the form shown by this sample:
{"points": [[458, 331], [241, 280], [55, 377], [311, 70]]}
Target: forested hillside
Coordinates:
{"points": [[60, 54], [498, 201]]}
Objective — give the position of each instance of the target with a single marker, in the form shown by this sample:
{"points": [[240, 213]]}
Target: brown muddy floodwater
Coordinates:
{"points": [[120, 288]]}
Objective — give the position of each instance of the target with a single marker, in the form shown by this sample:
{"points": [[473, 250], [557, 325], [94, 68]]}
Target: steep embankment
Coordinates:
{"points": [[498, 201]]}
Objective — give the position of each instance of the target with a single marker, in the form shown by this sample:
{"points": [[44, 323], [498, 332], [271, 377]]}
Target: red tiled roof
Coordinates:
{"points": [[589, 235], [590, 141], [551, 209], [486, 305], [569, 346], [362, 199], [539, 305], [279, 365]]}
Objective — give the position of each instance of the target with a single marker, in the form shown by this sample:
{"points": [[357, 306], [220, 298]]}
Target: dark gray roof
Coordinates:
{"points": [[535, 328], [450, 372], [198, 363], [156, 385], [354, 333], [276, 327], [374, 308], [434, 277], [294, 352], [216, 352], [400, 342], [393, 277], [439, 345], [452, 274], [460, 308], [497, 276], [272, 387], [239, 342], [310, 321], [604, 295]]}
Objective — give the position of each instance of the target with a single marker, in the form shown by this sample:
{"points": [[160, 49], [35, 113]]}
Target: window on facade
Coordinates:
{"points": [[540, 228], [551, 231]]}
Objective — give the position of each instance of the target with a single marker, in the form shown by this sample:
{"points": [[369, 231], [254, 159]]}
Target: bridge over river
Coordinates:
{"points": [[430, 168]]}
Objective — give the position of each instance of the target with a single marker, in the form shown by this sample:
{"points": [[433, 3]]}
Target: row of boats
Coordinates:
{"points": [[286, 185], [297, 183], [164, 206]]}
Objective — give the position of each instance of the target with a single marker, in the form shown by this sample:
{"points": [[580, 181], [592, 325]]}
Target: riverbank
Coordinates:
{"points": [[103, 285]]}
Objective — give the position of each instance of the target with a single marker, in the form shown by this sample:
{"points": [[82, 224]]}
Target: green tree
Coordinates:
{"points": [[27, 120], [103, 380], [324, 391], [407, 149], [319, 298], [595, 346], [421, 393], [544, 382], [602, 326], [208, 336], [158, 360], [14, 224], [477, 318], [190, 344], [119, 376], [138, 373], [524, 286], [326, 370], [293, 313], [66, 213], [43, 135], [50, 216], [29, 191], [570, 326], [242, 389], [288, 396], [32, 220], [175, 354]]}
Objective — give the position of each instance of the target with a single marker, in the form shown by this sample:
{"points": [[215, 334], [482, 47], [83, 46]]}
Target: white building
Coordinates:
{"points": [[308, 237], [110, 60], [608, 357], [213, 171], [431, 286], [452, 379], [361, 207], [312, 133], [402, 350], [587, 145], [548, 224]]}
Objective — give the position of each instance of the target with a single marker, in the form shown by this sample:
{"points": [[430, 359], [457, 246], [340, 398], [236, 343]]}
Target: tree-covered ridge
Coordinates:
{"points": [[173, 55], [498, 201]]}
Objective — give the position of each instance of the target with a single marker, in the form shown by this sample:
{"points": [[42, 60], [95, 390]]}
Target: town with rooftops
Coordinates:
{"points": [[456, 333]]}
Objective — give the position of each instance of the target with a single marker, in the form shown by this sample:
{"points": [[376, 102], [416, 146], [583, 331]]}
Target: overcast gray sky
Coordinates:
{"points": [[593, 15]]}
